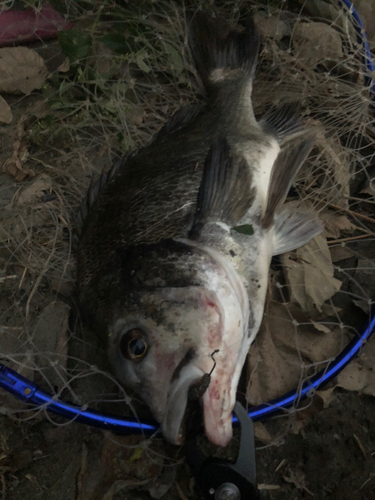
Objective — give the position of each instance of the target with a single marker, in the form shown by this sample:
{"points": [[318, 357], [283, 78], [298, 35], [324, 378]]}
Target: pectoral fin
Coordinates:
{"points": [[225, 193], [294, 227], [284, 170]]}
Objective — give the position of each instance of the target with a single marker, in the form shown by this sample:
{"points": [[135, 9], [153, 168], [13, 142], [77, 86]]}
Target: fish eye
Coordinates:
{"points": [[133, 345]]}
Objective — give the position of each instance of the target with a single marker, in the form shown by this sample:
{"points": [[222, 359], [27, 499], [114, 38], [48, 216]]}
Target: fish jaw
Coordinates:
{"points": [[218, 400], [172, 422]]}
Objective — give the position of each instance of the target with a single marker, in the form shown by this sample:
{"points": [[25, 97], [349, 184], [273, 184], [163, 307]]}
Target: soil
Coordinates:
{"points": [[332, 458]]}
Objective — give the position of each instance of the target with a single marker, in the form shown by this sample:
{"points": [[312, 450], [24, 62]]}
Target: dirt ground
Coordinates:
{"points": [[326, 451], [334, 458]]}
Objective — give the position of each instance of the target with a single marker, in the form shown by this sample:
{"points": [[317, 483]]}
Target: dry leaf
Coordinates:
{"points": [[262, 433], [22, 70], [359, 375], [335, 224], [271, 27], [340, 252], [326, 396], [35, 191], [162, 483], [297, 477], [13, 165], [275, 356], [123, 484], [65, 66], [6, 115], [320, 327], [316, 42], [309, 273]]}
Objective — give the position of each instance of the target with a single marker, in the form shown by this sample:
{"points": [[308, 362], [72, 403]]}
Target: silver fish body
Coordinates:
{"points": [[176, 241]]}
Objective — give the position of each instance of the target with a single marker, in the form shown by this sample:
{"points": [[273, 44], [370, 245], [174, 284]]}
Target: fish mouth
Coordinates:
{"points": [[172, 424], [217, 408]]}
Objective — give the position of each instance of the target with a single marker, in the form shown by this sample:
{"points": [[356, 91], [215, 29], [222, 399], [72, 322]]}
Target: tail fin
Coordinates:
{"points": [[222, 54]]}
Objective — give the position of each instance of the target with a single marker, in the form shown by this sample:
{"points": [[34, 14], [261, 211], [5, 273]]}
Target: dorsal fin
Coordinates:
{"points": [[225, 193], [284, 170], [179, 120], [95, 188]]}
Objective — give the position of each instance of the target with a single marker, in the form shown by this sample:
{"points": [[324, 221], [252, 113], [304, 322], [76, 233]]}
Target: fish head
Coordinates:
{"points": [[161, 342]]}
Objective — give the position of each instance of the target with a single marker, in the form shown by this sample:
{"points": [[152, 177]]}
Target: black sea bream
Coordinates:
{"points": [[176, 240]]}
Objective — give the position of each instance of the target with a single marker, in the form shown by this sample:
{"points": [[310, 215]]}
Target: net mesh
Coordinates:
{"points": [[114, 79]]}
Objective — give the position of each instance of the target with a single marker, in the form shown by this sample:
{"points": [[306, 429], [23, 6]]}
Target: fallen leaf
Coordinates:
{"points": [[274, 359], [262, 433], [36, 190], [334, 225], [162, 483], [326, 396], [65, 66], [37, 22], [321, 327], [21, 70], [297, 477], [6, 115], [340, 252], [309, 273], [271, 26], [14, 165], [121, 485], [138, 452], [316, 42], [359, 375]]}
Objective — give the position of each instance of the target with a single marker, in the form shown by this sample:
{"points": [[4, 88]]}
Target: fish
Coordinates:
{"points": [[176, 240]]}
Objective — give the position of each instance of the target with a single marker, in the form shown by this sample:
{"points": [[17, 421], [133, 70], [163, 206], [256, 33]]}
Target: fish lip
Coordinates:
{"points": [[177, 401]]}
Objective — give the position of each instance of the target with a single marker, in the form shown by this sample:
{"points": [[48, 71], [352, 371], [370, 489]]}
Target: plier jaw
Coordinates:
{"points": [[220, 479]]}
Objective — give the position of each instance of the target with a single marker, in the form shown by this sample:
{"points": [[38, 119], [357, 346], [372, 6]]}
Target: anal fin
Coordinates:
{"points": [[294, 227], [284, 121]]}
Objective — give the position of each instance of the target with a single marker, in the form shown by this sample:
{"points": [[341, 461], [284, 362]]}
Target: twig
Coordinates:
{"points": [[10, 277], [280, 464], [367, 480], [365, 217], [360, 445], [350, 238], [22, 278], [181, 493], [39, 279]]}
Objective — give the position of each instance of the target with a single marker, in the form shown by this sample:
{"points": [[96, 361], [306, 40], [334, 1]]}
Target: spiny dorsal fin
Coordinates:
{"points": [[284, 170], [95, 188], [294, 227], [225, 193], [179, 120], [214, 47], [284, 121]]}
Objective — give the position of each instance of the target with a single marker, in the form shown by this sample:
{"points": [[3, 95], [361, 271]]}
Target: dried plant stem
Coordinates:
{"points": [[351, 238], [42, 273], [361, 216]]}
